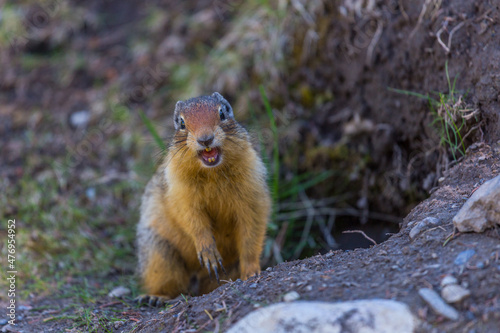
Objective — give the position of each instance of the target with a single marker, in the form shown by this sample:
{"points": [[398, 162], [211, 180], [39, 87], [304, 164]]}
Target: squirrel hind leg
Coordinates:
{"points": [[164, 273], [154, 300]]}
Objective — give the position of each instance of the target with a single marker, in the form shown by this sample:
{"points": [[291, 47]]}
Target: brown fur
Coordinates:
{"points": [[190, 210]]}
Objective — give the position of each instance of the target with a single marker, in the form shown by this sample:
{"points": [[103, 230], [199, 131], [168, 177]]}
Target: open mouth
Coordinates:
{"points": [[210, 156]]}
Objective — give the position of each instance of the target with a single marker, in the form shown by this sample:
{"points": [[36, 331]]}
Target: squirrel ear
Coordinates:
{"points": [[225, 102], [178, 106], [218, 96]]}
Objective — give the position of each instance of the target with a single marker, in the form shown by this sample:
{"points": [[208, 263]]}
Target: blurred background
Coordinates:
{"points": [[356, 122]]}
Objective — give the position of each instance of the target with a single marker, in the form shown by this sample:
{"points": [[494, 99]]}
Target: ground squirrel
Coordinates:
{"points": [[208, 203]]}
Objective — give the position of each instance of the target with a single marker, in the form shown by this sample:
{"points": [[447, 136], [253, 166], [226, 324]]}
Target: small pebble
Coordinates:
{"points": [[9, 328], [447, 280], [79, 118], [434, 255], [309, 288], [329, 254], [118, 323], [437, 304], [253, 286], [291, 296], [441, 179], [472, 146], [454, 293], [480, 265], [90, 193], [119, 292], [422, 225], [24, 307], [463, 257]]}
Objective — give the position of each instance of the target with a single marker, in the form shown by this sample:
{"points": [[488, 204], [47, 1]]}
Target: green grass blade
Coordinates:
{"points": [[448, 79], [152, 131], [297, 187], [409, 93]]}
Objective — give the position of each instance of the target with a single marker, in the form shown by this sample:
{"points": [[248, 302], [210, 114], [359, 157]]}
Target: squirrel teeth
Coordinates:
{"points": [[209, 156]]}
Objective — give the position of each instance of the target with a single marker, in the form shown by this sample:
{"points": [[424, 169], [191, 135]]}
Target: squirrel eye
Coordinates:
{"points": [[221, 114], [183, 125]]}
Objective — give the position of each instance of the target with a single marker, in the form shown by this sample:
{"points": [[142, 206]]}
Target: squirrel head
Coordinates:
{"points": [[202, 125]]}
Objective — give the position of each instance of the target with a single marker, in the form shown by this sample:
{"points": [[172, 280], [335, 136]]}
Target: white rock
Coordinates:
{"points": [[9, 328], [291, 296], [437, 304], [482, 210], [80, 118], [453, 293], [448, 279], [423, 225], [364, 316], [119, 292]]}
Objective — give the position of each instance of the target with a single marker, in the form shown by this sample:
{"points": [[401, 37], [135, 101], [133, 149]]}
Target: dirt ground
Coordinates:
{"points": [[392, 159], [395, 269]]}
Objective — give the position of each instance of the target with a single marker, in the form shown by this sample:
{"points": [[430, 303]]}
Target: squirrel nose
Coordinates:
{"points": [[206, 140]]}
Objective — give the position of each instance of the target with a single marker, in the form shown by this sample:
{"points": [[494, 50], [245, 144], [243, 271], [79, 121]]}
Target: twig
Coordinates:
{"points": [[209, 315], [438, 36], [455, 29], [420, 18], [109, 304], [327, 233], [359, 232], [472, 130], [403, 11], [474, 190], [447, 48], [373, 43], [450, 237], [307, 228]]}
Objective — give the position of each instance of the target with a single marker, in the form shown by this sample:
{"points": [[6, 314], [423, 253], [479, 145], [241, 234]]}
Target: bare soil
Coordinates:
{"points": [[395, 269], [401, 152]]}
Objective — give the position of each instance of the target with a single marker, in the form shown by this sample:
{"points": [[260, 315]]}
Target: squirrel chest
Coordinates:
{"points": [[206, 209]]}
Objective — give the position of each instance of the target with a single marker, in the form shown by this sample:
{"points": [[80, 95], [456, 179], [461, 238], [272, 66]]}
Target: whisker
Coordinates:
{"points": [[176, 152], [233, 141]]}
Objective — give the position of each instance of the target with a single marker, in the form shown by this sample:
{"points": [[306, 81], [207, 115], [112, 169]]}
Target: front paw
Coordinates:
{"points": [[209, 257]]}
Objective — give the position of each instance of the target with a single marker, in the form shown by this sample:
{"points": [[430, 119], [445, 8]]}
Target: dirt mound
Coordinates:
{"points": [[396, 269], [348, 82]]}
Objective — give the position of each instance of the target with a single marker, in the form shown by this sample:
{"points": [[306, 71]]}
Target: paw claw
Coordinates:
{"points": [[223, 269], [210, 257], [216, 273], [207, 265]]}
